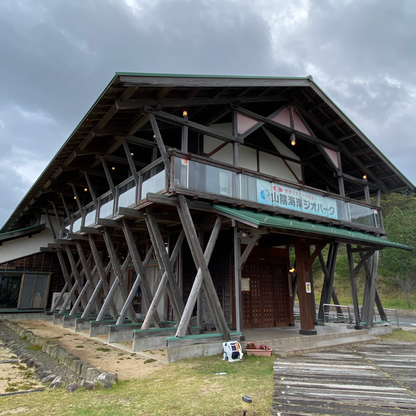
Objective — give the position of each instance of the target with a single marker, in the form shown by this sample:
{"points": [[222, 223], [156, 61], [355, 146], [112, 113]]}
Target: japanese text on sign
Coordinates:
{"points": [[294, 199]]}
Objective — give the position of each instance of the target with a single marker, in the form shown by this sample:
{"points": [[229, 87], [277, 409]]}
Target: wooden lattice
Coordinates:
{"points": [[267, 303]]}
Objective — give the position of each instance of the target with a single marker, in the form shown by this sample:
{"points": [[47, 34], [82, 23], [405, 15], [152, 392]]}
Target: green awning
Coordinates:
{"points": [[275, 221]]}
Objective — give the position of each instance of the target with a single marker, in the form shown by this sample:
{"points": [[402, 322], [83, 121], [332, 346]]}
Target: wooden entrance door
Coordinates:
{"points": [[266, 303]]}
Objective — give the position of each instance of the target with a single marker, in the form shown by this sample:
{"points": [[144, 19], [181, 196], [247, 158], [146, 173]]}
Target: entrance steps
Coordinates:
{"points": [[286, 347]]}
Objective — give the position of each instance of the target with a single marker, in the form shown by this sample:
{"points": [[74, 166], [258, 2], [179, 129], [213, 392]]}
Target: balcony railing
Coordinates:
{"points": [[212, 178], [152, 178], [229, 182]]}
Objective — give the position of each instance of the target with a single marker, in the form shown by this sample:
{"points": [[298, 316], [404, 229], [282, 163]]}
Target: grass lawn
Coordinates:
{"points": [[400, 335], [189, 387]]}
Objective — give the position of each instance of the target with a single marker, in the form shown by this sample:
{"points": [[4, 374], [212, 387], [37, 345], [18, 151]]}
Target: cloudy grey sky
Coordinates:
{"points": [[56, 57]]}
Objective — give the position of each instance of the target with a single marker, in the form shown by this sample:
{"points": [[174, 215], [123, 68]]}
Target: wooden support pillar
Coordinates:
{"points": [[237, 282], [77, 277], [196, 287], [371, 268], [59, 298], [67, 301], [119, 273], [161, 145], [329, 273], [88, 274], [353, 288], [133, 292], [113, 289], [380, 308], [307, 314], [200, 301], [198, 256], [67, 277], [140, 268], [164, 264], [239, 262], [160, 289], [102, 274], [184, 141]]}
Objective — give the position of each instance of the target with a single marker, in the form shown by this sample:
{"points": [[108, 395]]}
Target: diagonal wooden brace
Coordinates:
{"points": [[67, 276], [88, 274], [102, 273], [77, 278], [200, 262], [163, 281], [140, 268], [196, 287], [113, 290], [118, 272], [164, 264]]}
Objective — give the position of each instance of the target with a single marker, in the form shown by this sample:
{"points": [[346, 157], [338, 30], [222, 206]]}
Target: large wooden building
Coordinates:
{"points": [[173, 205]]}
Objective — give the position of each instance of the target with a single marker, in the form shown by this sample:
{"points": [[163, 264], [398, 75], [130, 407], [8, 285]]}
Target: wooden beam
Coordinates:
{"points": [[108, 176], [67, 277], [102, 273], [353, 288], [131, 162], [88, 274], [77, 277], [118, 272], [170, 118], [113, 289], [130, 213], [318, 249], [196, 287], [200, 262], [105, 222], [163, 281], [288, 130], [161, 145], [307, 314], [141, 279], [247, 251], [164, 263]]}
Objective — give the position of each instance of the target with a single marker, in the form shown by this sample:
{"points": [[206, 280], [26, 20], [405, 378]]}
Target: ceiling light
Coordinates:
{"points": [[113, 168], [75, 197], [85, 189], [365, 177], [292, 139], [185, 113]]}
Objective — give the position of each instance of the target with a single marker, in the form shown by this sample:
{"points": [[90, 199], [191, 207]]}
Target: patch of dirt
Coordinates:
{"points": [[109, 357], [15, 376]]}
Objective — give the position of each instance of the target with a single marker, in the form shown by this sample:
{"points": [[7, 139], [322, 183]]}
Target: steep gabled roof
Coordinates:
{"points": [[118, 112]]}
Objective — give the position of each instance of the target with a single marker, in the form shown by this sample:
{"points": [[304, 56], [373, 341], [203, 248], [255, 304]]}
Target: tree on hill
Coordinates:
{"points": [[398, 267]]}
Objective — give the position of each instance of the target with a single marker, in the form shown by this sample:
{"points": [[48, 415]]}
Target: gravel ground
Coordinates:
{"points": [[22, 350]]}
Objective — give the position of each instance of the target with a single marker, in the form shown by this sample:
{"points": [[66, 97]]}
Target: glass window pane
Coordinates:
{"points": [[26, 299]]}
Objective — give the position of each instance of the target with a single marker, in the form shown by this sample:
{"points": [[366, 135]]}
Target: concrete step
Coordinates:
{"points": [[317, 345], [300, 339]]}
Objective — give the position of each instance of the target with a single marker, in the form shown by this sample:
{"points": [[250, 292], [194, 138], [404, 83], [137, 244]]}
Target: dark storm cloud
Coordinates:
{"points": [[57, 56], [362, 53]]}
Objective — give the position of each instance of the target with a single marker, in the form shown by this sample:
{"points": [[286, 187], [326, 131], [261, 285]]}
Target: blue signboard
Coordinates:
{"points": [[296, 200]]}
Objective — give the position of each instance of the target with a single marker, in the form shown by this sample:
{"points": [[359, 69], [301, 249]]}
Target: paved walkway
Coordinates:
{"points": [[286, 341], [372, 379]]}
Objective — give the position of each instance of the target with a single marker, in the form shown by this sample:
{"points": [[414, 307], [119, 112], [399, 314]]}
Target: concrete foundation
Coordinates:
{"points": [[380, 330], [22, 316], [69, 321], [149, 343], [194, 351]]}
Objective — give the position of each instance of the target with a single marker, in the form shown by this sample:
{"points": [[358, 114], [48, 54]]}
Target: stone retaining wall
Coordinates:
{"points": [[83, 369]]}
